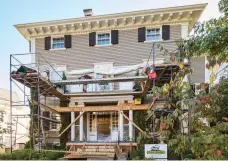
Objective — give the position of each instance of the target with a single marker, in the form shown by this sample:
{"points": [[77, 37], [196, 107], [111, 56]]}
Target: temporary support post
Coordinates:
{"points": [[71, 124]]}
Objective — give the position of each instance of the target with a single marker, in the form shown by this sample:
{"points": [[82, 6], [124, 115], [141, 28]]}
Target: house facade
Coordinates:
{"points": [[108, 47]]}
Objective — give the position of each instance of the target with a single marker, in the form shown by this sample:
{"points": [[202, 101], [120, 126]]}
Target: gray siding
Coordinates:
{"points": [[198, 64], [128, 52]]}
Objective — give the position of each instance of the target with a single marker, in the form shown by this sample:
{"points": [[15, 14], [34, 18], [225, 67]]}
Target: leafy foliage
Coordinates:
{"points": [[29, 154]]}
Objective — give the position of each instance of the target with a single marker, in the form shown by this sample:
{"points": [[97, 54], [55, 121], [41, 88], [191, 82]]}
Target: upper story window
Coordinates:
{"points": [[103, 38], [153, 34], [58, 43]]}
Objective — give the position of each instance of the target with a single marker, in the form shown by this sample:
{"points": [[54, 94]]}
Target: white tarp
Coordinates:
{"points": [[111, 71]]}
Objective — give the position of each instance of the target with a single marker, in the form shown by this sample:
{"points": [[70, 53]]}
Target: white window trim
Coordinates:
{"points": [[154, 40], [110, 44], [52, 43]]}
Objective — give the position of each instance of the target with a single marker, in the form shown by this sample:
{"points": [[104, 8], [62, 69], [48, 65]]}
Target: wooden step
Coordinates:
{"points": [[96, 150], [100, 147], [88, 156]]}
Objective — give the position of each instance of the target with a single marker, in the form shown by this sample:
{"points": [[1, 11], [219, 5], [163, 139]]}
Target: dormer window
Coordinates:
{"points": [[58, 43], [103, 38], [153, 34]]}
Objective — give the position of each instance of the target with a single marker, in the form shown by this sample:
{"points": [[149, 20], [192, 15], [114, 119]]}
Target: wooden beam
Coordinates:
{"points": [[161, 74], [70, 124], [147, 87], [45, 106], [134, 124], [103, 108], [108, 93]]}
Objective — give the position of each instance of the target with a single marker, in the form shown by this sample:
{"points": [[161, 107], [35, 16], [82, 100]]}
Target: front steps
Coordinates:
{"points": [[97, 152]]}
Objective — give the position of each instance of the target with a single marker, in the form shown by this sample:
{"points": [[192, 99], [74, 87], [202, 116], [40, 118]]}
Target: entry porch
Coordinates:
{"points": [[102, 127]]}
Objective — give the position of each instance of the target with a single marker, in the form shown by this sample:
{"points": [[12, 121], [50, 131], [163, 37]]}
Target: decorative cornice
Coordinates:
{"points": [[121, 21]]}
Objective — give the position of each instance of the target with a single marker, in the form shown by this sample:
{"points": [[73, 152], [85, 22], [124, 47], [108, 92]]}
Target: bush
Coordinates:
{"points": [[28, 154]]}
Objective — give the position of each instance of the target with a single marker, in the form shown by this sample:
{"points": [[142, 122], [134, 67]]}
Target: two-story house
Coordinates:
{"points": [[112, 48]]}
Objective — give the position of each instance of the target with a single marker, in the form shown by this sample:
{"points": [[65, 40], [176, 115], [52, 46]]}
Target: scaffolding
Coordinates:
{"points": [[36, 77], [33, 84]]}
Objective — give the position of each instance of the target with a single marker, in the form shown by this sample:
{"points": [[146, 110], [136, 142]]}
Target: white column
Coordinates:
{"points": [[72, 127], [130, 124], [81, 128], [121, 128]]}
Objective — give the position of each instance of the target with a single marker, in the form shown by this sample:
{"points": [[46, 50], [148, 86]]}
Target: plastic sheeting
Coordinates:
{"points": [[112, 71]]}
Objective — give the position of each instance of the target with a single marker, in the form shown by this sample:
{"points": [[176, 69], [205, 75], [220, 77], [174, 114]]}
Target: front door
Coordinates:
{"points": [[92, 126]]}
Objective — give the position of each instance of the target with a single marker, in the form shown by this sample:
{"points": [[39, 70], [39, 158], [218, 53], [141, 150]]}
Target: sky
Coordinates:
{"points": [[25, 11]]}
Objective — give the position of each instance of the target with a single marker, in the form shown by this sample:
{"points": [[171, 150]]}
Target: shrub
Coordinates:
{"points": [[29, 154]]}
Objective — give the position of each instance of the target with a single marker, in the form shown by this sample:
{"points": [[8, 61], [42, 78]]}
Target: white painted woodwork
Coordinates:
{"points": [[91, 132], [72, 134], [184, 31], [33, 50], [121, 126]]}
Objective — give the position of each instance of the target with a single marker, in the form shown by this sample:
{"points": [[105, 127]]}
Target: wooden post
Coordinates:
{"points": [[130, 125]]}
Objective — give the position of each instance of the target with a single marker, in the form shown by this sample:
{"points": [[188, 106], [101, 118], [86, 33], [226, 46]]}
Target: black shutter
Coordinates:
{"points": [[47, 43], [67, 41], [115, 36], [92, 39], [46, 122], [141, 34], [165, 32]]}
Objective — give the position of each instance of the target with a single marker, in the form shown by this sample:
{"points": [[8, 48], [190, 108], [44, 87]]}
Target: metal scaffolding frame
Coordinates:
{"points": [[37, 82], [27, 98]]}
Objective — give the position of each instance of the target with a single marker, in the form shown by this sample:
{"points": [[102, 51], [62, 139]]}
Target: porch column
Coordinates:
{"points": [[81, 128], [72, 127], [121, 128], [130, 125]]}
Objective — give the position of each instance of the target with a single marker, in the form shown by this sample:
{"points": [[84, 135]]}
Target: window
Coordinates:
{"points": [[103, 39], [114, 121], [54, 125], [153, 34], [92, 122], [58, 43]]}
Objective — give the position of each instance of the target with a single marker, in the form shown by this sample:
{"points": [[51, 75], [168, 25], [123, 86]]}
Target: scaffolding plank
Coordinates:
{"points": [[103, 93], [31, 80], [100, 81]]}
